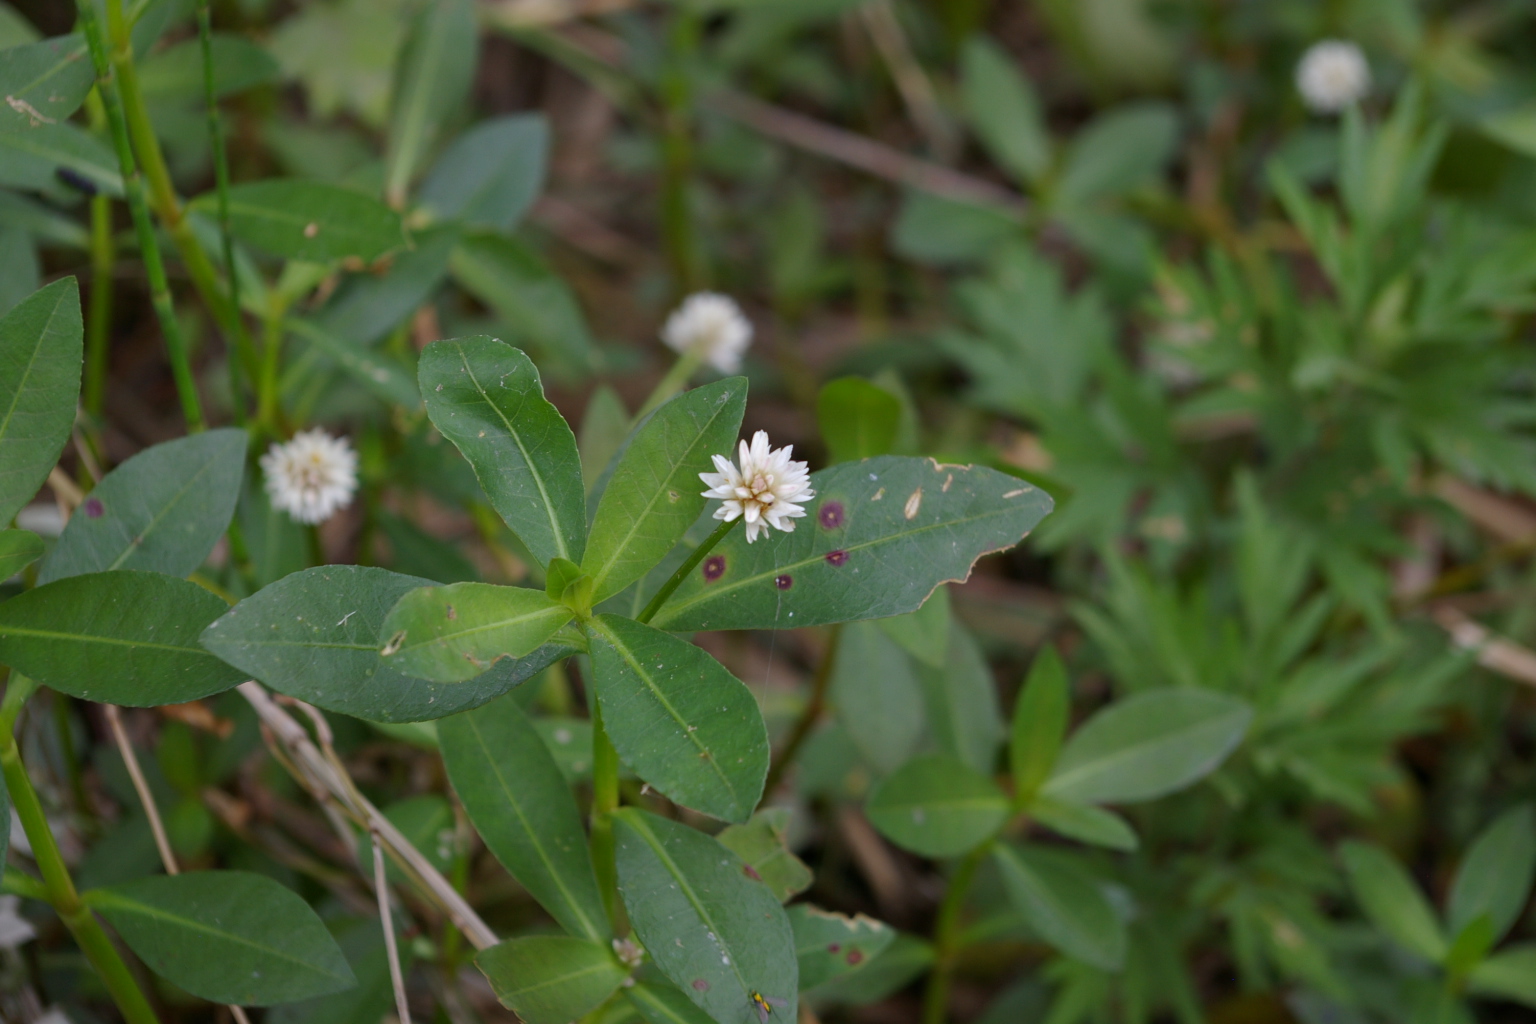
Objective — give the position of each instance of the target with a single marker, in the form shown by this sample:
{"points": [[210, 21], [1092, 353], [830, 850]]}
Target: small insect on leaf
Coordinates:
{"points": [[764, 1005]]}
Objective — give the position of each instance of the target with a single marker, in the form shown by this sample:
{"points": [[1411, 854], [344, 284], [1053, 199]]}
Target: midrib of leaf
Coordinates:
{"points": [[1108, 762], [500, 623], [86, 638], [944, 805], [127, 905], [297, 220], [671, 610], [155, 519], [53, 69], [19, 141], [641, 993], [533, 470], [21, 385], [705, 753], [634, 526], [592, 932], [564, 978], [672, 869]]}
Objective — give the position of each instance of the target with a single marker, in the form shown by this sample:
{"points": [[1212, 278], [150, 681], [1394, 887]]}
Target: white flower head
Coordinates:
{"points": [[311, 476], [765, 491], [1331, 75], [712, 326]]}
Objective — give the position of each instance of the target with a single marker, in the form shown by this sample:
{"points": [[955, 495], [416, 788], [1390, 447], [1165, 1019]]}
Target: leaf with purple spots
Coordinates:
{"points": [[830, 945]]}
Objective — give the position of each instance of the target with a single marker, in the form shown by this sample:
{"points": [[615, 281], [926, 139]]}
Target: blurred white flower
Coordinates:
{"points": [[711, 326], [54, 1016], [1331, 75], [14, 929], [311, 476], [764, 491]]}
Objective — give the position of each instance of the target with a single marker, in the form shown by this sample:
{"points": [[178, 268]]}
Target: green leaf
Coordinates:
{"points": [[963, 714], [18, 549], [1039, 723], [1063, 904], [1470, 946], [1003, 110], [879, 536], [372, 999], [942, 232], [551, 979], [1508, 974], [32, 157], [1118, 152], [679, 718], [450, 634], [1148, 745], [528, 297], [227, 936], [176, 73], [491, 174], [521, 806], [716, 933], [313, 221], [924, 634], [116, 637], [161, 511], [830, 945], [858, 420], [43, 82], [904, 960], [432, 81], [1083, 822], [937, 806], [654, 493], [41, 346], [762, 846], [1392, 900], [1495, 876], [378, 373], [877, 696], [315, 635], [368, 305], [660, 1003], [485, 397], [604, 427]]}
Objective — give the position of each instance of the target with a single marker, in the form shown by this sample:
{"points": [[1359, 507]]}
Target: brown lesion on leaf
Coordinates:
{"points": [[914, 503], [393, 645], [452, 612]]}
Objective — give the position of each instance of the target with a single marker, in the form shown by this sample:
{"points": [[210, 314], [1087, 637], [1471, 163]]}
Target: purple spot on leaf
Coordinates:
{"points": [[836, 558], [94, 508], [784, 582], [831, 515], [751, 872], [834, 948], [714, 567], [855, 957], [700, 985]]}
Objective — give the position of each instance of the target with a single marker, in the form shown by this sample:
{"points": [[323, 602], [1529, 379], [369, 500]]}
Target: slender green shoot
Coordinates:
{"points": [[221, 183]]}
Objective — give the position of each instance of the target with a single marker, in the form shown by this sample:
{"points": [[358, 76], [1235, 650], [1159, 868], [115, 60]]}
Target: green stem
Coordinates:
{"points": [[605, 800], [809, 715], [947, 934], [103, 258], [221, 183], [57, 884], [677, 155], [687, 567], [675, 380], [133, 188], [268, 387]]}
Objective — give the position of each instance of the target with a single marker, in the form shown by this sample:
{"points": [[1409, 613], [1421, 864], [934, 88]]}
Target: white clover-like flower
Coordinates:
{"points": [[711, 326], [765, 491], [1331, 75], [311, 476]]}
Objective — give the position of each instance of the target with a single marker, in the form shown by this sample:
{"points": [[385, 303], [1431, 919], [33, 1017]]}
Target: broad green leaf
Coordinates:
{"points": [[116, 637], [878, 537], [1514, 127], [1117, 152], [1148, 745], [41, 346], [315, 635], [161, 511], [1495, 876], [963, 714], [1039, 723], [368, 305], [714, 931], [1083, 822], [490, 175], [604, 426], [551, 979], [830, 945], [450, 634], [937, 806], [32, 158], [1392, 900], [41, 222], [1003, 110], [21, 272], [227, 936], [1507, 974], [18, 549], [176, 73], [569, 741], [485, 397], [43, 82], [679, 718], [904, 960], [762, 846], [943, 232], [383, 376], [531, 300], [877, 696], [276, 544], [654, 493], [659, 1003], [521, 806], [313, 221], [1063, 904], [858, 420], [924, 634], [432, 81], [372, 999], [1470, 946]]}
